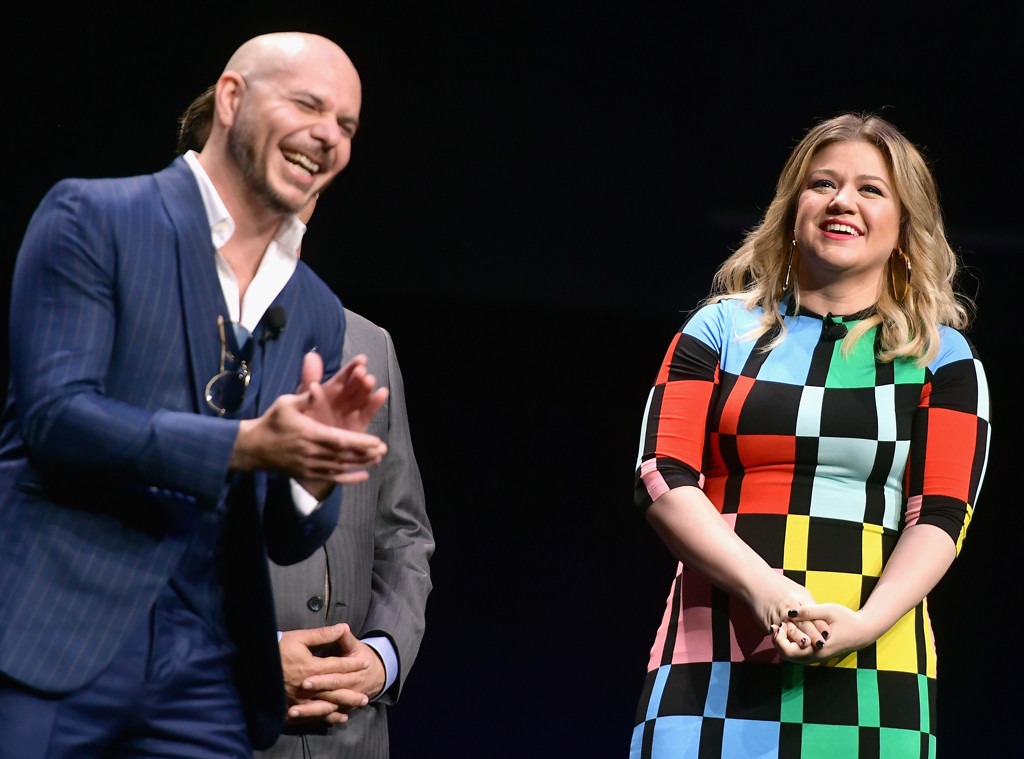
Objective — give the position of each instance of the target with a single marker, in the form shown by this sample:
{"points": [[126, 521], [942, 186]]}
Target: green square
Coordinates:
{"points": [[791, 709], [833, 741], [923, 701], [867, 698], [906, 372], [855, 370], [896, 744]]}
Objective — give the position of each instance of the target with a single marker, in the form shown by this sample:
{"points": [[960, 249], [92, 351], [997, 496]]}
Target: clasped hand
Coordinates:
{"points": [[784, 608], [328, 672], [804, 631], [815, 632]]}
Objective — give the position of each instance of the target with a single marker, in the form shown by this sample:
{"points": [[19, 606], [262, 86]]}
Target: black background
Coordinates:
{"points": [[537, 194]]}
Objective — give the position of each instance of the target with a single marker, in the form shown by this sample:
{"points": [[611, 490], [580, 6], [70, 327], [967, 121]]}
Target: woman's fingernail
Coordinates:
{"points": [[824, 634], [792, 612], [820, 644]]}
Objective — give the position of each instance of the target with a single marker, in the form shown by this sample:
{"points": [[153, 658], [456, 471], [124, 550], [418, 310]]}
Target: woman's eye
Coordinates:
{"points": [[872, 189], [822, 183]]}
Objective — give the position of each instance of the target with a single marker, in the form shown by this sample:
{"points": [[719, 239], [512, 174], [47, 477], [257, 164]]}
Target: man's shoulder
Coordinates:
{"points": [[100, 190], [361, 324], [367, 337], [174, 170], [128, 202]]}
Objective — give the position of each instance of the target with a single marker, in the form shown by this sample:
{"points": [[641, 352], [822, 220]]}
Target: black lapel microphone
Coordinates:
{"points": [[273, 324], [831, 328]]}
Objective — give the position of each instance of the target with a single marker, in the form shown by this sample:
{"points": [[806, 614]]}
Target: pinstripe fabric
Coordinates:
{"points": [[377, 559], [108, 456], [817, 461]]}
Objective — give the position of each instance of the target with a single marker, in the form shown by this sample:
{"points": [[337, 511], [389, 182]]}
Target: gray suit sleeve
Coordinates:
{"points": [[403, 540]]}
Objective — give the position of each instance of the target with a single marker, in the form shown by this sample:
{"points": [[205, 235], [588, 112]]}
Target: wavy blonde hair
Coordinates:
{"points": [[756, 271]]}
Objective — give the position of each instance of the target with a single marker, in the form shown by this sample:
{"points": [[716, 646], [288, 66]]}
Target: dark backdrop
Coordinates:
{"points": [[538, 192]]}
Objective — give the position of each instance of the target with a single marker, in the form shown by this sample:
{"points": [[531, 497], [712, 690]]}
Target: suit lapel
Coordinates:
{"points": [[202, 298], [201, 294], [279, 362]]}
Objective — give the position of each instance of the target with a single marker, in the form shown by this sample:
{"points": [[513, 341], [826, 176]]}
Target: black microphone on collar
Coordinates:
{"points": [[831, 328], [273, 324]]}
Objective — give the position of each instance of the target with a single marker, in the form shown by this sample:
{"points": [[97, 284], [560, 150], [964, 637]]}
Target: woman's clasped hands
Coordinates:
{"points": [[816, 632]]}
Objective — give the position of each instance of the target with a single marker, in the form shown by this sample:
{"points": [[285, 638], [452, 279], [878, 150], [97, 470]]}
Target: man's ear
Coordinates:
{"points": [[230, 87]]}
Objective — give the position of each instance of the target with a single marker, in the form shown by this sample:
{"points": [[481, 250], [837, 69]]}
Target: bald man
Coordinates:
{"points": [[352, 614], [178, 413]]}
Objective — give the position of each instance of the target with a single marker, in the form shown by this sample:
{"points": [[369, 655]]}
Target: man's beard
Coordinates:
{"points": [[242, 149]]}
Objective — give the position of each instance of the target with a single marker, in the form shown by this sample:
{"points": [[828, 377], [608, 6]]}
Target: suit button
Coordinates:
{"points": [[316, 603]]}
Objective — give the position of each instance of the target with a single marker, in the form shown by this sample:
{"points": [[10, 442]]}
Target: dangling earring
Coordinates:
{"points": [[789, 265], [899, 289]]}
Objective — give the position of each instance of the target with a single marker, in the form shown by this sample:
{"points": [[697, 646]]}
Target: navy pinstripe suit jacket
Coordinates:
{"points": [[108, 453]]}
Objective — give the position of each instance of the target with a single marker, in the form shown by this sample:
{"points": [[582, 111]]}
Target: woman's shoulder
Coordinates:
{"points": [[954, 346], [718, 321], [726, 310]]}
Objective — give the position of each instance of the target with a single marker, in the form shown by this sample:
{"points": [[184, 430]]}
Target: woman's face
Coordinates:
{"points": [[847, 219]]}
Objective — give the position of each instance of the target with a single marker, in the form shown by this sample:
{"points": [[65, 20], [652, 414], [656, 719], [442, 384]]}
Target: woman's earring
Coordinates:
{"points": [[899, 273], [789, 265]]}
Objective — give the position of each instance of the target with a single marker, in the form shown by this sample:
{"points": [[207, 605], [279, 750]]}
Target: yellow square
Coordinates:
{"points": [[794, 556], [896, 650], [871, 550], [835, 587]]}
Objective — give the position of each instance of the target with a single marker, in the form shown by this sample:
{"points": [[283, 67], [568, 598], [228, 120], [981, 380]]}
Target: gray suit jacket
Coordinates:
{"points": [[373, 572]]}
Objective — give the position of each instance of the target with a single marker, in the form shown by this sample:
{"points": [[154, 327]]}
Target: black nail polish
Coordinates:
{"points": [[825, 635], [792, 612], [820, 644]]}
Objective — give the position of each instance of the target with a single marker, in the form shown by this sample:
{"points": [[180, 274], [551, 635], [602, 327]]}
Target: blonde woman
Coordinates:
{"points": [[812, 451]]}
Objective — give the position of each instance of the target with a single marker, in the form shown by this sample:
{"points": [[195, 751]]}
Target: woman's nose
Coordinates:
{"points": [[842, 200]]}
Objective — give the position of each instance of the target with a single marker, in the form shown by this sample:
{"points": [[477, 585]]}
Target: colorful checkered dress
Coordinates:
{"points": [[817, 461]]}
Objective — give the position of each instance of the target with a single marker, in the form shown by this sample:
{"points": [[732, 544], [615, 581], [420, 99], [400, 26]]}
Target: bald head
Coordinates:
{"points": [[278, 52], [285, 111]]}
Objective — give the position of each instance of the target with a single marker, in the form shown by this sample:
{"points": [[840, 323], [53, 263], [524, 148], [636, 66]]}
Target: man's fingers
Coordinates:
{"points": [[344, 698], [312, 369], [315, 709], [342, 459], [353, 478], [329, 442], [376, 402], [358, 360], [342, 678], [318, 636], [349, 643]]}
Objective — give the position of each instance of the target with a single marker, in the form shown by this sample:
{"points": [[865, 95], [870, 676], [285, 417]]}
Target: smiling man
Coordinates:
{"points": [[178, 412], [353, 614]]}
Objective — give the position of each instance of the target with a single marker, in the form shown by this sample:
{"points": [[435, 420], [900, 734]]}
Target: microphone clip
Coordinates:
{"points": [[832, 329], [273, 324]]}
